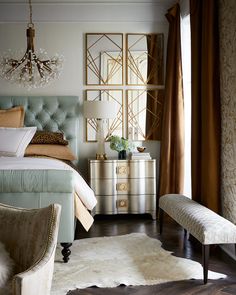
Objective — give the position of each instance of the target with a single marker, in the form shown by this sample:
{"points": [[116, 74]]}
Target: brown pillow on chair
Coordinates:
{"points": [[48, 137], [57, 151], [13, 118]]}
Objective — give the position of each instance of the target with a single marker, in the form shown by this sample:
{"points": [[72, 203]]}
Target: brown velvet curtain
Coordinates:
{"points": [[172, 142], [206, 119]]}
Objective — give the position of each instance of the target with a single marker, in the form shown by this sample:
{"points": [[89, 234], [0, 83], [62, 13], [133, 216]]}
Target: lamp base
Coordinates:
{"points": [[101, 157]]}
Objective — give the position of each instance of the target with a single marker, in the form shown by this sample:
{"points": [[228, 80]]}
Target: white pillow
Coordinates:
{"points": [[6, 269], [14, 141]]}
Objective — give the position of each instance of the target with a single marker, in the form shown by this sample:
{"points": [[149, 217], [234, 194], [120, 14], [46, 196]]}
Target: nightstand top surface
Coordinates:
{"points": [[117, 160]]}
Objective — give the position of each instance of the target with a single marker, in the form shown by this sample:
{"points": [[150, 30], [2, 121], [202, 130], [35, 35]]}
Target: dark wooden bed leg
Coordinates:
{"points": [[161, 213], [66, 251], [205, 259]]}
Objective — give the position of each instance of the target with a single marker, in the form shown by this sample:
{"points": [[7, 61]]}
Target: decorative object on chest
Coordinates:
{"points": [[124, 186], [121, 145]]}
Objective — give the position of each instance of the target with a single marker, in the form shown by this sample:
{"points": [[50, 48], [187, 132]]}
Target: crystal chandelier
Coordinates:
{"points": [[35, 69]]}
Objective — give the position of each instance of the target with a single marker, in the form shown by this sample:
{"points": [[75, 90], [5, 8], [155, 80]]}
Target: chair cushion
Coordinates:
{"points": [[6, 268]]}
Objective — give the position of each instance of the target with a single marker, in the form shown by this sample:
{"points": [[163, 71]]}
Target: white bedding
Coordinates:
{"points": [[81, 188]]}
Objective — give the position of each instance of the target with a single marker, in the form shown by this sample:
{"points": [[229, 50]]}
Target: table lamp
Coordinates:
{"points": [[100, 110]]}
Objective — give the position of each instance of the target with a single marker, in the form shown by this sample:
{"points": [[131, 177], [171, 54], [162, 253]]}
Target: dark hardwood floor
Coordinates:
{"points": [[173, 240]]}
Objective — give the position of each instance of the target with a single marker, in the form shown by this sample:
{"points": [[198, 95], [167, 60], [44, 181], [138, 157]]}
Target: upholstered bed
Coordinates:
{"points": [[30, 188]]}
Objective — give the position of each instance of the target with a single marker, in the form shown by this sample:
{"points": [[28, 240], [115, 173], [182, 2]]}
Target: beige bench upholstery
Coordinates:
{"points": [[202, 223]]}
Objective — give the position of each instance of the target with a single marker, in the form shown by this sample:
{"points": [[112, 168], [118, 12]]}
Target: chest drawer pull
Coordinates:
{"points": [[122, 170], [122, 203], [124, 187]]}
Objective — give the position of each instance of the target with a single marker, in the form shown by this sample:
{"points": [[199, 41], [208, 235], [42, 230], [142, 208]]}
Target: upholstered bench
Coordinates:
{"points": [[202, 223]]}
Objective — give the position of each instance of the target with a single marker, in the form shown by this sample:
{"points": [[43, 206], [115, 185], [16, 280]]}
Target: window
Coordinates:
{"points": [[186, 65]]}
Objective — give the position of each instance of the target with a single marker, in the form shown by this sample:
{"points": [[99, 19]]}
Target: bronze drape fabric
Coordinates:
{"points": [[172, 142], [205, 103]]}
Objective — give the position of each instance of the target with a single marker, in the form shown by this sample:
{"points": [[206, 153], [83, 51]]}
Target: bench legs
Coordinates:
{"points": [[205, 259], [161, 217], [205, 248]]}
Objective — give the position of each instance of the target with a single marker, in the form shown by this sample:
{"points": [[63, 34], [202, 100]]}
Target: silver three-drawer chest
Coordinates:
{"points": [[124, 186]]}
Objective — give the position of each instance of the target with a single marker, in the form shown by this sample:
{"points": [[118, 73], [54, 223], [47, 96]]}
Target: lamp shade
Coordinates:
{"points": [[100, 109]]}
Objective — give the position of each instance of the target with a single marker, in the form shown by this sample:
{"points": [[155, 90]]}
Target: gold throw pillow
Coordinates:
{"points": [[57, 151], [13, 118]]}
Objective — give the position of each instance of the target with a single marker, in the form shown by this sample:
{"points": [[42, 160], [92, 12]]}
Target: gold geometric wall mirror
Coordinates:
{"points": [[111, 126], [104, 59], [145, 59], [144, 113]]}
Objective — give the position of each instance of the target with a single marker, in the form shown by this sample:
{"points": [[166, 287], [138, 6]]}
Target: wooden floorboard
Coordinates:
{"points": [[173, 240]]}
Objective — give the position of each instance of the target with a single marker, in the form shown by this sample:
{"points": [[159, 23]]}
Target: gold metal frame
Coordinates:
{"points": [[118, 121], [158, 65], [131, 118], [91, 60]]}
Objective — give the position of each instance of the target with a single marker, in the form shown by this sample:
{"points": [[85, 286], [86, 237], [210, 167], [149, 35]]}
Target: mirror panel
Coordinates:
{"points": [[144, 113], [111, 126], [104, 59], [145, 59]]}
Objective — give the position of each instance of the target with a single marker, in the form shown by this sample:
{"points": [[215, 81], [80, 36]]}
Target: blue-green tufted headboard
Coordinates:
{"points": [[52, 113]]}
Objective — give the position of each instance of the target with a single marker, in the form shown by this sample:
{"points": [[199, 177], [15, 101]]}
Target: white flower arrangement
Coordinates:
{"points": [[119, 144]]}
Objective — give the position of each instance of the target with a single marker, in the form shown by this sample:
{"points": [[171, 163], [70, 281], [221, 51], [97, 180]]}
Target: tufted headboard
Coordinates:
{"points": [[52, 113]]}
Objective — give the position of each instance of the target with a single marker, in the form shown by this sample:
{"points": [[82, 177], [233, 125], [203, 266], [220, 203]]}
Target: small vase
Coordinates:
{"points": [[122, 155]]}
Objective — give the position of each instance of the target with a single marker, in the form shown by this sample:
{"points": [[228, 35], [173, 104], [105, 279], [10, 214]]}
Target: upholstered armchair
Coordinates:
{"points": [[30, 236]]}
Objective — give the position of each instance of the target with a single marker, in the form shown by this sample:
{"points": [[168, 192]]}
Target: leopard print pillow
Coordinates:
{"points": [[48, 137]]}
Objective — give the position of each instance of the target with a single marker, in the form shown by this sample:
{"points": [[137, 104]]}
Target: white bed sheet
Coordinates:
{"points": [[84, 192]]}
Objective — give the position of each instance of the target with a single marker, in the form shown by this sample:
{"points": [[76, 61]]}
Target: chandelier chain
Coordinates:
{"points": [[31, 13]]}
